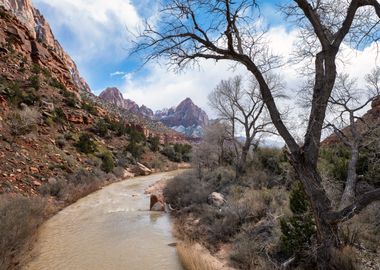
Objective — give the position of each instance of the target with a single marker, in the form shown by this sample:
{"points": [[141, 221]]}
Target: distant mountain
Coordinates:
{"points": [[115, 97], [186, 118]]}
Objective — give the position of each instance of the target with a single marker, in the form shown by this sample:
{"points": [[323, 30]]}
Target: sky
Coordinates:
{"points": [[96, 33]]}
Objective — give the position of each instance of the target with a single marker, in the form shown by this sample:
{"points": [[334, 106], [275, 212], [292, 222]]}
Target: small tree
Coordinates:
{"points": [[241, 108]]}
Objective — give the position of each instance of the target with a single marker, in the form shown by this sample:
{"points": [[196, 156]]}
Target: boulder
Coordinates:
{"points": [[158, 206], [127, 174], [216, 199], [140, 169]]}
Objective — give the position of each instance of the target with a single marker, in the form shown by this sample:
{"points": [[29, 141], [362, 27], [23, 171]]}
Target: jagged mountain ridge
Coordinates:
{"points": [[41, 43], [187, 118]]}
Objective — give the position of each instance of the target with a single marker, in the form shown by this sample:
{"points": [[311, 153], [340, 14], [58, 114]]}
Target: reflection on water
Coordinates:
{"points": [[111, 229]]}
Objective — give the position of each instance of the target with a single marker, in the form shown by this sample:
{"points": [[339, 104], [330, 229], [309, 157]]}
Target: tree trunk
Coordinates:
{"points": [[348, 195], [327, 235], [243, 159]]}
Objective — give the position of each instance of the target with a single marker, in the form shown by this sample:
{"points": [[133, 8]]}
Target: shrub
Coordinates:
{"points": [[297, 231], [135, 149], [135, 135], [34, 82], [154, 143], [101, 128], [185, 190], [16, 96], [171, 154], [23, 122], [57, 84], [107, 162], [71, 102], [86, 144], [59, 116], [117, 126], [90, 108], [60, 141], [20, 217], [36, 68]]}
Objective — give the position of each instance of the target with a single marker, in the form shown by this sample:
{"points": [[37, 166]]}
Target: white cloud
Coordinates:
{"points": [[117, 73], [97, 27]]}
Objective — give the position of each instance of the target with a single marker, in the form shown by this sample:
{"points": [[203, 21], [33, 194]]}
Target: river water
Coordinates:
{"points": [[110, 229]]}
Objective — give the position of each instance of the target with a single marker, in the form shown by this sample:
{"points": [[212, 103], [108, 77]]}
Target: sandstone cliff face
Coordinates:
{"points": [[38, 41]]}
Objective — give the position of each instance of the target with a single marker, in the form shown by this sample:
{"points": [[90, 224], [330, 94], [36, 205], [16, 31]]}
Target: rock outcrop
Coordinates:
{"points": [[32, 36]]}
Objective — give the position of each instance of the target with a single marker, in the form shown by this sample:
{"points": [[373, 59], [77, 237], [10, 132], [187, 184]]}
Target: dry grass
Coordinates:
{"points": [[19, 220], [193, 257]]}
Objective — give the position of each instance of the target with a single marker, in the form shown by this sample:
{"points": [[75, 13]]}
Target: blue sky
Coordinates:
{"points": [[94, 33]]}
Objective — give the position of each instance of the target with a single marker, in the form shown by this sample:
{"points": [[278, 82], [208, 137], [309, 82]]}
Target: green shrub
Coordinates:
{"points": [[86, 144], [35, 82], [57, 84], [171, 154], [90, 108], [59, 115], [101, 128], [107, 162], [135, 149], [154, 143], [16, 95], [36, 69], [297, 231], [71, 102], [135, 135]]}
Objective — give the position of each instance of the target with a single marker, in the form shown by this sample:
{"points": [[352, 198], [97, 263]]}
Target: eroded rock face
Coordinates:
{"points": [[37, 39]]}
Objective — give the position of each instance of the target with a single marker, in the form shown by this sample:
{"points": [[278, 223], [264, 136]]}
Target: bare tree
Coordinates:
{"points": [[241, 108], [353, 131], [214, 148], [189, 30]]}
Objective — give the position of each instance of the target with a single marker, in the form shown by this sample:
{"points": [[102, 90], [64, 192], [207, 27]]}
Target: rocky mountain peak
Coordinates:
{"points": [[186, 118]]}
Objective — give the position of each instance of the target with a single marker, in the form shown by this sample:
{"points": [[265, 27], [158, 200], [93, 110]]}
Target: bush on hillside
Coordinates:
{"points": [[154, 143], [86, 144], [107, 162], [135, 149], [101, 128], [23, 122]]}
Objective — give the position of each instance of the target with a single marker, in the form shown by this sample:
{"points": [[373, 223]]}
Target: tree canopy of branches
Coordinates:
{"points": [[244, 108], [189, 30]]}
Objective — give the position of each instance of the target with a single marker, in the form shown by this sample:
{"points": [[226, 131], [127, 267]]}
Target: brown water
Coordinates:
{"points": [[110, 229]]}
